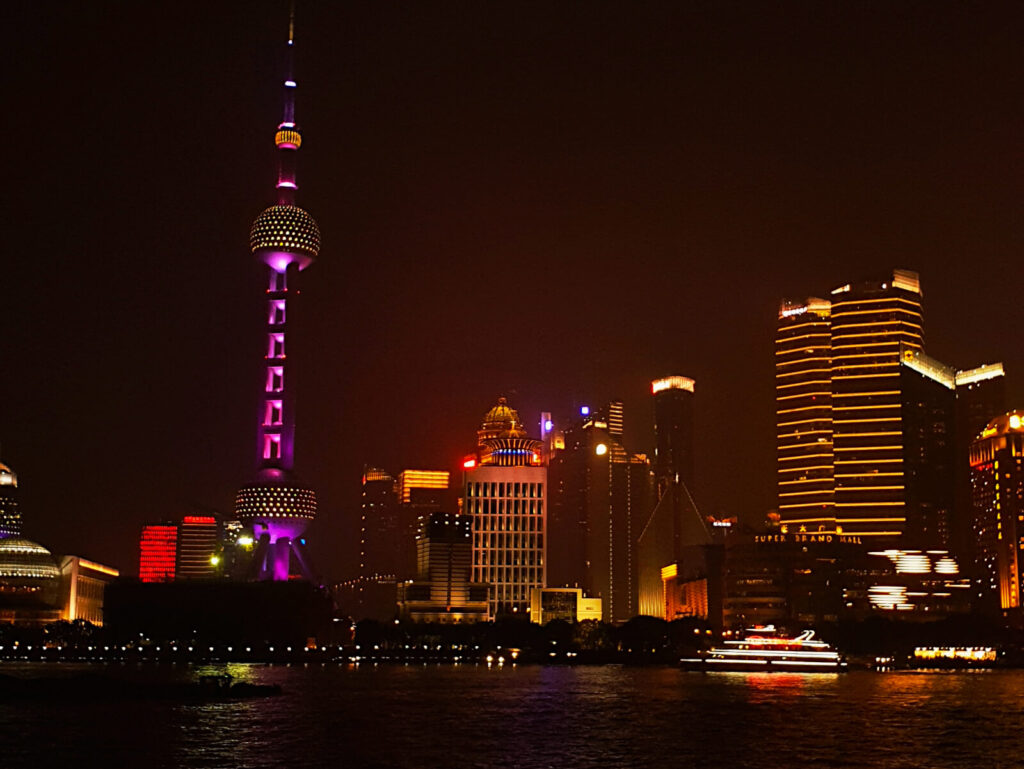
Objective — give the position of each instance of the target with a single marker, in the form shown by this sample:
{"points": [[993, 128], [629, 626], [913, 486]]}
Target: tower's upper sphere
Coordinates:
{"points": [[285, 229]]}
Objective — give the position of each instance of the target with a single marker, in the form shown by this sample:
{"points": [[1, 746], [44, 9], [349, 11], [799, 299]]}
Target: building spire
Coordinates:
{"points": [[288, 137]]}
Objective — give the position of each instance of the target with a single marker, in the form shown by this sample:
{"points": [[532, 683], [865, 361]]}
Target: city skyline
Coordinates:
{"points": [[644, 224]]}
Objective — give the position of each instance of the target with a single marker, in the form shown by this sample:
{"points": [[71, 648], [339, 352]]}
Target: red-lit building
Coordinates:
{"points": [[158, 552]]}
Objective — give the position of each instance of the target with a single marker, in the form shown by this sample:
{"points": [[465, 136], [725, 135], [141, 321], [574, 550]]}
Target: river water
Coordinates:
{"points": [[474, 717]]}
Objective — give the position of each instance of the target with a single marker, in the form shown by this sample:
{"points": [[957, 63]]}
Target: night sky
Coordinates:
{"points": [[551, 201]]}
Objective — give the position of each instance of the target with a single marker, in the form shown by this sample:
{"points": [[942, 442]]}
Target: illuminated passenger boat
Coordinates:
{"points": [[763, 649]]}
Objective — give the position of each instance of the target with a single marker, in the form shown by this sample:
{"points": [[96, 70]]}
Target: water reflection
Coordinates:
{"points": [[439, 716]]}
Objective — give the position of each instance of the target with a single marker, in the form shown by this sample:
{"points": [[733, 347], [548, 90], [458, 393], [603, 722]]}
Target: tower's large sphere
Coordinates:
{"points": [[281, 509], [285, 230]]}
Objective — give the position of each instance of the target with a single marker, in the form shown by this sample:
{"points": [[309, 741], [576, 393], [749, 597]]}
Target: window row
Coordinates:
{"points": [[500, 489], [487, 523], [514, 507]]}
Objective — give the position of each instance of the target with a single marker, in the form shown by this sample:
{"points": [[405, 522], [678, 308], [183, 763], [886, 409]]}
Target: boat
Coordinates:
{"points": [[764, 649], [97, 687]]}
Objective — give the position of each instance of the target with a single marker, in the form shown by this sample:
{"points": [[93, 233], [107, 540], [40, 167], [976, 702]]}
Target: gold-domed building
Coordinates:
{"points": [[505, 490], [502, 439]]}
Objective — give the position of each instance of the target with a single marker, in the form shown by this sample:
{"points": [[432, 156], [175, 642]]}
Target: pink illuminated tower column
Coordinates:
{"points": [[287, 240]]}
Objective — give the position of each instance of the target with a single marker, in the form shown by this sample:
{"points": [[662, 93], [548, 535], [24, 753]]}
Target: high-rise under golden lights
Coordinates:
{"points": [[870, 322], [803, 415]]}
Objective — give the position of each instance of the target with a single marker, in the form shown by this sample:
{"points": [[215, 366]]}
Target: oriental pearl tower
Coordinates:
{"points": [[286, 240]]}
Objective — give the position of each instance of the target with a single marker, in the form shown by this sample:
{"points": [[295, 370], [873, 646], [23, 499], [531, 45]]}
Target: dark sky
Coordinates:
{"points": [[554, 201]]}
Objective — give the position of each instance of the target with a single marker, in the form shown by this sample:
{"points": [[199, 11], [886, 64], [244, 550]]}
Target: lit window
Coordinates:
{"points": [[272, 415], [275, 345], [272, 446], [275, 312], [275, 379]]}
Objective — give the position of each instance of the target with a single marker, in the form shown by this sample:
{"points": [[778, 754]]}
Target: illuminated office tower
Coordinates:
{"points": [[600, 496], [505, 490], [158, 552], [10, 515], [997, 483], [287, 240], [803, 415], [869, 323], [198, 545]]}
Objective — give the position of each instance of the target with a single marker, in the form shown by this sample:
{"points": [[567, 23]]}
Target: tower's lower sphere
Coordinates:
{"points": [[280, 510]]}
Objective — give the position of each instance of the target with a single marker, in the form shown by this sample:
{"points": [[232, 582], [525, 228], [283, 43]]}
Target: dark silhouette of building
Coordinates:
{"points": [[673, 533], [927, 424], [379, 531], [980, 398], [219, 611], [601, 496], [442, 590]]}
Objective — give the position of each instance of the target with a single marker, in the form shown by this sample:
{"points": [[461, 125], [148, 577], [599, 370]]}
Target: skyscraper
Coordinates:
{"points": [[673, 530], [869, 428], [869, 322], [10, 515], [505, 490], [600, 497], [378, 555], [927, 427], [673, 427], [997, 481], [980, 398], [287, 240], [803, 414]]}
